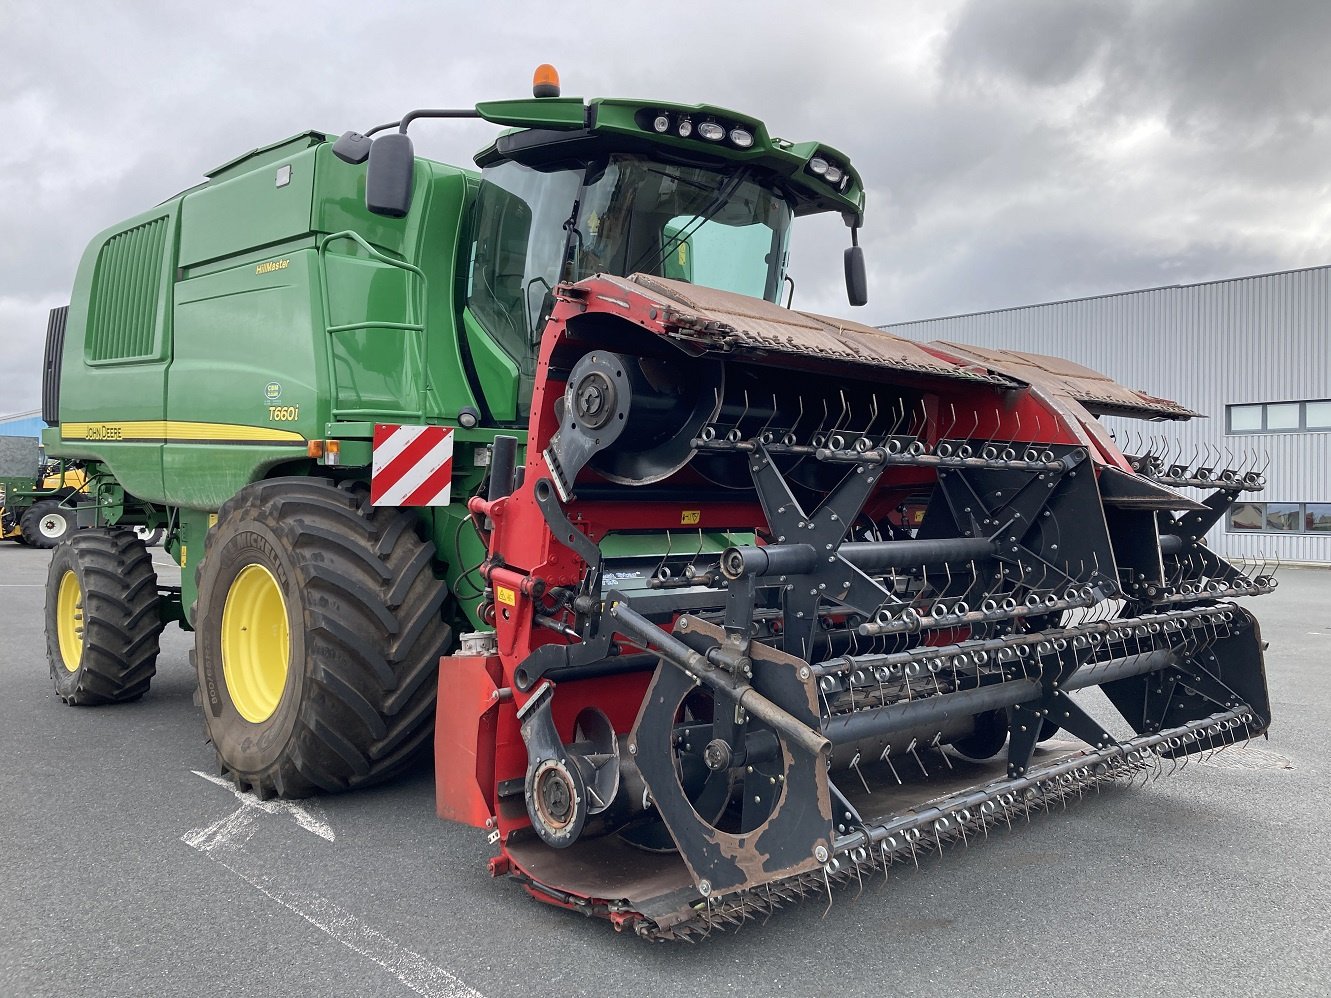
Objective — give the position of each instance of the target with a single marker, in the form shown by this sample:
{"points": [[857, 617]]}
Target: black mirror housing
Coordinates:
{"points": [[352, 147], [857, 284], [388, 179]]}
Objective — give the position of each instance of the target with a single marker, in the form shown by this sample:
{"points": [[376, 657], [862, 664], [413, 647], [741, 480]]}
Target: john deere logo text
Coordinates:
{"points": [[268, 266]]}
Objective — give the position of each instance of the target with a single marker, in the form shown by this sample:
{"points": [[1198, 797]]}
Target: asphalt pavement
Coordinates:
{"points": [[126, 869]]}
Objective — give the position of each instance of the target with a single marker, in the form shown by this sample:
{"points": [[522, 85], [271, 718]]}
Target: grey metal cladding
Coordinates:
{"points": [[1251, 339]]}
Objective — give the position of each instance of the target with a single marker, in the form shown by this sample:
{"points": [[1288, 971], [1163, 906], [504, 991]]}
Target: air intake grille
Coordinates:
{"points": [[125, 289], [55, 347]]}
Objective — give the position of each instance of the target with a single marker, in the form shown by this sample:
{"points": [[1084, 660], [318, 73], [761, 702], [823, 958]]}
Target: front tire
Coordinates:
{"points": [[318, 634], [45, 524], [102, 619]]}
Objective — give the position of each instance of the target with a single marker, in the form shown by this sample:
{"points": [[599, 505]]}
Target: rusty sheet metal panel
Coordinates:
{"points": [[1096, 393], [732, 323]]}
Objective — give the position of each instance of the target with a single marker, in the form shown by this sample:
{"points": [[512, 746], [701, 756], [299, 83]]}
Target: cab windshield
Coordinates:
{"points": [[624, 215]]}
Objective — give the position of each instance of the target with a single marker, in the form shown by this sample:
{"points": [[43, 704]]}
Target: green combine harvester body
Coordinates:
{"points": [[212, 338], [248, 298]]}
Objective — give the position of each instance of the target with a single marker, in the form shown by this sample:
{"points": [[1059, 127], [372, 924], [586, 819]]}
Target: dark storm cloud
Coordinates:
{"points": [[1112, 145], [1015, 150], [1040, 42]]}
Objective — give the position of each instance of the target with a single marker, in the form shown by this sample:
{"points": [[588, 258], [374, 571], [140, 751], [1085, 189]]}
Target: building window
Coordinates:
{"points": [[1278, 417], [1317, 517], [1280, 517], [1317, 415], [1247, 516], [1283, 516], [1245, 418]]}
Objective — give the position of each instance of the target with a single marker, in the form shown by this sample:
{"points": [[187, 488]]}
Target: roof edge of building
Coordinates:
{"points": [[1108, 294]]}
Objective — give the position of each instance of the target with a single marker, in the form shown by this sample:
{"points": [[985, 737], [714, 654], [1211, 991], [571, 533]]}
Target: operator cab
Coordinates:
{"points": [[537, 226], [613, 186]]}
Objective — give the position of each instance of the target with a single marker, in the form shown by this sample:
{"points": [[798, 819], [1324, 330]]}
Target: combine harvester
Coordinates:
{"points": [[703, 603]]}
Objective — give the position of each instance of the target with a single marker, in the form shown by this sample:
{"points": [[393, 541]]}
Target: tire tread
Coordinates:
{"points": [[375, 630], [122, 625]]}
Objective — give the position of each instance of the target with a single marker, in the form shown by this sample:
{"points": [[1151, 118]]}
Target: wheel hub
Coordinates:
{"points": [[69, 616], [256, 643]]}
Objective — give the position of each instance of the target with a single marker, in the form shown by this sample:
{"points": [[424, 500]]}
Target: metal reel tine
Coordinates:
{"points": [[1016, 415], [886, 757], [799, 416], [896, 424], [762, 430], [935, 744]]}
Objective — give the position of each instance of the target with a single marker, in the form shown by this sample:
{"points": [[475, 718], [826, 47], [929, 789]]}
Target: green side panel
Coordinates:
{"points": [[427, 239], [495, 369], [117, 347], [437, 246], [375, 333], [248, 354], [248, 211], [339, 204]]}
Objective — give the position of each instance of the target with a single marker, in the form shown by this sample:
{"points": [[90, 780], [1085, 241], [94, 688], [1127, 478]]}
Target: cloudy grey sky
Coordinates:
{"points": [[1014, 150]]}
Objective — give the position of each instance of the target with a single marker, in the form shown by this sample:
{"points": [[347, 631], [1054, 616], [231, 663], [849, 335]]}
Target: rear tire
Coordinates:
{"points": [[102, 620], [45, 524], [318, 634]]}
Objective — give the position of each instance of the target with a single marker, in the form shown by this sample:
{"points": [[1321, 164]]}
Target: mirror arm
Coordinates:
{"points": [[438, 112]]}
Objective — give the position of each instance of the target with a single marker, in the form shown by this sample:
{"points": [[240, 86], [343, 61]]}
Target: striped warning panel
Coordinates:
{"points": [[412, 465]]}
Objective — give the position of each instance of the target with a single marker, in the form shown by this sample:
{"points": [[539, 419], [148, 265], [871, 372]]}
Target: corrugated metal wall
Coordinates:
{"points": [[1253, 339], [24, 425]]}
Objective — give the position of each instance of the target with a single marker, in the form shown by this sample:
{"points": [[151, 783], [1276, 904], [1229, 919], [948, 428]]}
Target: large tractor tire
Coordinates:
{"points": [[45, 524], [318, 632], [102, 619]]}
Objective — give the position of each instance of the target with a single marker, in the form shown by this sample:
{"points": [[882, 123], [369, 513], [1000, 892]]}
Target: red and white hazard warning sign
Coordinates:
{"points": [[411, 466]]}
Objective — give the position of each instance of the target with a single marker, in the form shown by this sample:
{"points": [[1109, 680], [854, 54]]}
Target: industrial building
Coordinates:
{"points": [[1252, 354], [22, 424]]}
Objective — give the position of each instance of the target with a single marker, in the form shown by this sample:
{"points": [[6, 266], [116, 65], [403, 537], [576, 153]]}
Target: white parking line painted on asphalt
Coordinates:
{"points": [[223, 843], [408, 966], [304, 814], [232, 831]]}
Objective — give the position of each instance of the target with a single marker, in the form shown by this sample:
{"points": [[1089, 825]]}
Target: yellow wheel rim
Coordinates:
{"points": [[256, 643], [69, 621]]}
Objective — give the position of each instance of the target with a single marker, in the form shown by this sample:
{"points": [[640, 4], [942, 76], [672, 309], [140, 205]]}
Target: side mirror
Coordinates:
{"points": [[388, 178], [352, 147], [857, 285]]}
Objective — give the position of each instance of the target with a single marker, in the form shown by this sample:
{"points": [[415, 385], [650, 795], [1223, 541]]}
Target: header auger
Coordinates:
{"points": [[703, 603]]}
